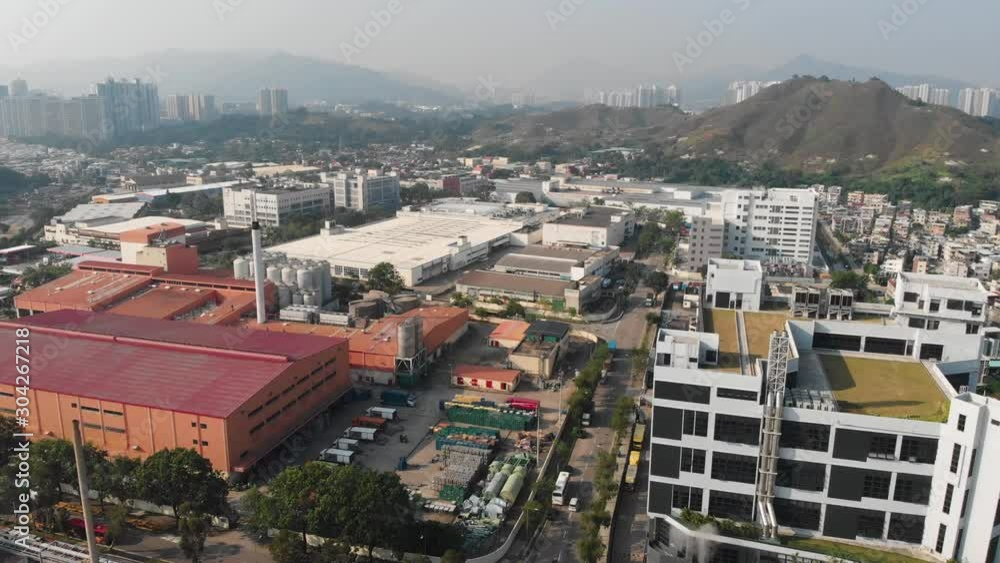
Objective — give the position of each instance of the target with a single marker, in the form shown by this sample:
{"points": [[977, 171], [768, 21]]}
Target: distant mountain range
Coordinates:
{"points": [[238, 76], [804, 122]]}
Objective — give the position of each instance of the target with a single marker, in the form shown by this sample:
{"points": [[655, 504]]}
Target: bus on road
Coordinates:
{"points": [[559, 493], [632, 473]]}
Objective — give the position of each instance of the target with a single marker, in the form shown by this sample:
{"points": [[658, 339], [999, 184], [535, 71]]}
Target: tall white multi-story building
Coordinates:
{"points": [[38, 115], [177, 107], [18, 87], [979, 102], [857, 434], [272, 101], [742, 90], [940, 96], [920, 92], [770, 225], [129, 105], [366, 190], [273, 207]]}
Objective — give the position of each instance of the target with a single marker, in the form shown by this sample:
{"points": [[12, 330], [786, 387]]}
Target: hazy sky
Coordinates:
{"points": [[522, 39]]}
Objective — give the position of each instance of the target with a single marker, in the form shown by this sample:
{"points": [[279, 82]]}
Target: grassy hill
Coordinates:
{"points": [[807, 123]]}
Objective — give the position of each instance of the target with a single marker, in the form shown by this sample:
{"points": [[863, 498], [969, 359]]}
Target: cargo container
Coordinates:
{"points": [[523, 404], [398, 398], [333, 455], [383, 413], [346, 444], [370, 422], [361, 433]]}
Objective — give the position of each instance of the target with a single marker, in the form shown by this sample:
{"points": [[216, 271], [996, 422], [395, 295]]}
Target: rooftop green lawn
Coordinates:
{"points": [[723, 323], [849, 551], [759, 327], [890, 388]]}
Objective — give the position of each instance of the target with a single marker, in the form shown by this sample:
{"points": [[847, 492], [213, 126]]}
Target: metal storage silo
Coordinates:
{"points": [[406, 336], [327, 281], [304, 279], [273, 274], [309, 298], [418, 331], [288, 275], [297, 298], [241, 269], [284, 296]]}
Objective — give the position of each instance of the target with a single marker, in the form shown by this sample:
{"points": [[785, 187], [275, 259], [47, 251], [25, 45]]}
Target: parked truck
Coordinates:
{"points": [[383, 413], [334, 455], [370, 422], [398, 398], [345, 444], [361, 433]]}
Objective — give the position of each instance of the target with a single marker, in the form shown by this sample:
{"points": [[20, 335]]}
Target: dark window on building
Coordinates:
{"points": [[971, 328], [871, 524], [837, 341], [972, 461], [931, 351], [955, 304], [711, 357], [965, 503], [89, 409], [204, 443], [918, 450], [803, 475], [939, 545], [692, 460], [738, 394], [949, 492], [805, 436], [695, 423], [113, 413], [912, 488], [961, 423], [797, 514], [115, 430], [906, 528], [737, 429], [876, 485], [730, 505], [910, 297], [915, 322], [935, 305], [732, 467], [956, 457], [660, 497], [885, 346], [684, 392], [687, 497], [882, 446], [665, 461], [667, 422]]}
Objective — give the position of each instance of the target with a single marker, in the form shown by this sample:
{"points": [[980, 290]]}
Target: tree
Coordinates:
{"points": [[294, 503], [121, 483], [658, 281], [178, 476], [374, 509], [7, 441], [384, 277], [288, 547], [453, 556], [589, 547], [117, 517], [525, 197], [849, 280], [193, 529], [461, 300], [514, 309]]}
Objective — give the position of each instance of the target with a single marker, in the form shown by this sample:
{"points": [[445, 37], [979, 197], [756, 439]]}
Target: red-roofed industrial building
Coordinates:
{"points": [[381, 353], [485, 378], [152, 291], [142, 385]]}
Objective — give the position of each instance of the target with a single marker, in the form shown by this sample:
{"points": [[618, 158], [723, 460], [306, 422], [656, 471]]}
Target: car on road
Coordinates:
{"points": [[574, 503]]}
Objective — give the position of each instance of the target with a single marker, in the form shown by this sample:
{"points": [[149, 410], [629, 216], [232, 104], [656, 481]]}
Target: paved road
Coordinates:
{"points": [[557, 541], [632, 522]]}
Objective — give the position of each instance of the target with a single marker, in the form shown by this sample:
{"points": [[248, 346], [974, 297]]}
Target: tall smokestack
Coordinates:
{"points": [[258, 272]]}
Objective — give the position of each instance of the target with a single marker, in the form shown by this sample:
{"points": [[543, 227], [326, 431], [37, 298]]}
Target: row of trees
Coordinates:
{"points": [[174, 478], [348, 505]]}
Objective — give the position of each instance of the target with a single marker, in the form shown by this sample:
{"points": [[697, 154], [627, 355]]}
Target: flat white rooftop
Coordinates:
{"points": [[406, 242], [142, 223]]}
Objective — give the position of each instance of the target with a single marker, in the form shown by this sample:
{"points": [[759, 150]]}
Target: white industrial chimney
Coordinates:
{"points": [[258, 272]]}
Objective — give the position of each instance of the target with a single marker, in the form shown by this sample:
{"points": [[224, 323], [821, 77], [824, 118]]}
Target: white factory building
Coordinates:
{"points": [[594, 227], [862, 435], [734, 284], [273, 207], [419, 245]]}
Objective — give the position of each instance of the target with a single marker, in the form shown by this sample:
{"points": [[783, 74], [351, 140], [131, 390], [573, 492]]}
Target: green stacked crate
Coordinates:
{"points": [[452, 493], [489, 417]]}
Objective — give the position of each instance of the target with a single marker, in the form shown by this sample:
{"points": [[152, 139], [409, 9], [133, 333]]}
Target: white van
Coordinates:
{"points": [[573, 503]]}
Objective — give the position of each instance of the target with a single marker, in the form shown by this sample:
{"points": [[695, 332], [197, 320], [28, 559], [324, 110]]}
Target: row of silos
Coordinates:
{"points": [[297, 282], [410, 337]]}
